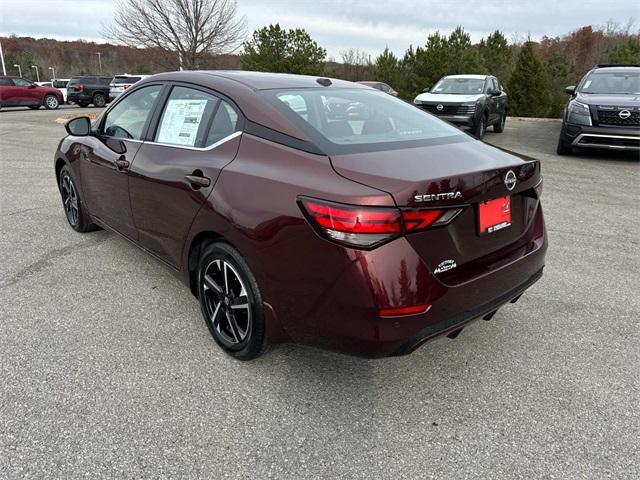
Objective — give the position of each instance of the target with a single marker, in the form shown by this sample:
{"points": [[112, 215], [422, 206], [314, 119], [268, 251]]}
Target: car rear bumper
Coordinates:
{"points": [[346, 317], [611, 138]]}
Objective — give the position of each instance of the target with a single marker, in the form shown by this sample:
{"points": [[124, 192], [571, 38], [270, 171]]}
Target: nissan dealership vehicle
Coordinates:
{"points": [[368, 234], [85, 90], [604, 111], [20, 92], [121, 82], [473, 102]]}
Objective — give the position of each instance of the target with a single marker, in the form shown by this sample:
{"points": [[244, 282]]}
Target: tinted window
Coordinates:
{"points": [[360, 117], [105, 80], [60, 83], [21, 82], [186, 118], [121, 80], [5, 82], [225, 122], [128, 117], [75, 80]]}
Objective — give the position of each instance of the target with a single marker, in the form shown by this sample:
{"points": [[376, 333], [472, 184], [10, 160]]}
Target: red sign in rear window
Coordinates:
{"points": [[494, 215]]}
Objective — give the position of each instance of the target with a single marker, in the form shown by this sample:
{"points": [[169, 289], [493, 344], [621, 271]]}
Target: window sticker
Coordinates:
{"points": [[181, 121]]}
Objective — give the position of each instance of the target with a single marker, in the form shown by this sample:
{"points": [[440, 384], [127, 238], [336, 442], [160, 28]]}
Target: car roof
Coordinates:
{"points": [[268, 81], [477, 77], [618, 68]]}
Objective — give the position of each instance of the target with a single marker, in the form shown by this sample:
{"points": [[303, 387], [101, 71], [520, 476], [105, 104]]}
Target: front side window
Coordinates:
{"points": [[358, 118], [21, 82], [608, 82], [459, 86], [128, 118], [193, 118]]}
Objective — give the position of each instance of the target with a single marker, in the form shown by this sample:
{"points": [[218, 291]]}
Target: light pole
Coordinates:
{"points": [[53, 72], [4, 70], [37, 72], [19, 69], [99, 60]]}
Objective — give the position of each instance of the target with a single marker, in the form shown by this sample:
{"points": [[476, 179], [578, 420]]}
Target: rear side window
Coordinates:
{"points": [[5, 82], [128, 118], [105, 80], [193, 118], [121, 80]]}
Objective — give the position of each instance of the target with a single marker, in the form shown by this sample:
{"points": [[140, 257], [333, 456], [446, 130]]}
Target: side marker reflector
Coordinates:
{"points": [[404, 311]]}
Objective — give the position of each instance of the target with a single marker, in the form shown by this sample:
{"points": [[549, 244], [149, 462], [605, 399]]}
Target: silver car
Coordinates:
{"points": [[121, 82]]}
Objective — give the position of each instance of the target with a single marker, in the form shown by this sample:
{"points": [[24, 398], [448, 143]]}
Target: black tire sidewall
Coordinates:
{"points": [[255, 343], [84, 224], [102, 101]]}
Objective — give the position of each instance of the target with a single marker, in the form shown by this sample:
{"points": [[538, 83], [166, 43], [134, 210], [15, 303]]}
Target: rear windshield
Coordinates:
{"points": [[355, 120], [601, 81], [459, 86], [120, 80]]}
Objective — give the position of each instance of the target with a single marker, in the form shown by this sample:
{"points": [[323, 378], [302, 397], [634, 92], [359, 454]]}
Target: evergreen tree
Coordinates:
{"points": [[628, 52], [497, 56], [463, 56], [387, 68], [561, 74], [529, 85], [273, 49]]}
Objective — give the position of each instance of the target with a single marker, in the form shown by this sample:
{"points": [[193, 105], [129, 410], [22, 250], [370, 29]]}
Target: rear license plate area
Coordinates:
{"points": [[494, 215]]}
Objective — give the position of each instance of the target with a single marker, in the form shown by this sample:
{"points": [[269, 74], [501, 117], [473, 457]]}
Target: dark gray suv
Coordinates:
{"points": [[473, 102], [604, 111]]}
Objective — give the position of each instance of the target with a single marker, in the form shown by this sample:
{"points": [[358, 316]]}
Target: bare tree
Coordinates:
{"points": [[192, 29]]}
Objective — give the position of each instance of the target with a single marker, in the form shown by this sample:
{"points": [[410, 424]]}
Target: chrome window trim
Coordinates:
{"points": [[198, 149]]}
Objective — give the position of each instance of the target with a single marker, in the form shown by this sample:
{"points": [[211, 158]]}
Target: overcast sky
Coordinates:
{"points": [[339, 25]]}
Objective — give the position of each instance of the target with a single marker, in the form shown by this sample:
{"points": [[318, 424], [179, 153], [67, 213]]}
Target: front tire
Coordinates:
{"points": [[231, 303], [563, 148], [51, 102], [72, 203], [99, 100], [481, 128], [499, 127]]}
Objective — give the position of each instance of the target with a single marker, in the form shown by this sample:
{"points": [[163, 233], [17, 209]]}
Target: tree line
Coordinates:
{"points": [[161, 35]]}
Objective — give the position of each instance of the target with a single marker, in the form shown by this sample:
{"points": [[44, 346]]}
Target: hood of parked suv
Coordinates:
{"points": [[621, 100], [446, 98]]}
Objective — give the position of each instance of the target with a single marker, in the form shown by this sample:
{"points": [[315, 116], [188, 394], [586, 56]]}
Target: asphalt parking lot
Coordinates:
{"points": [[107, 368]]}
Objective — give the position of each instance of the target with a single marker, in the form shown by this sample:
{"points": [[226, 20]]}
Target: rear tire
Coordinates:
{"points": [[499, 127], [99, 100], [231, 302], [73, 205], [51, 102]]}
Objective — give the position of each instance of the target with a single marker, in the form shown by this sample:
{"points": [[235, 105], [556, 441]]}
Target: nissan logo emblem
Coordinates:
{"points": [[440, 107], [624, 114], [510, 180]]}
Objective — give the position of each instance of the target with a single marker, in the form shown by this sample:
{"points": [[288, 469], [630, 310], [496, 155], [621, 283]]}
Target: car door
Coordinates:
{"points": [[7, 92], [492, 101], [196, 134], [26, 93], [109, 155]]}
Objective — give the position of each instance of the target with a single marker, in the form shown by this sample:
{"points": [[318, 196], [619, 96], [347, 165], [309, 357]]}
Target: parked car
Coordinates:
{"points": [[121, 82], [85, 90], [604, 111], [473, 102], [365, 236], [61, 84], [17, 92], [380, 86]]}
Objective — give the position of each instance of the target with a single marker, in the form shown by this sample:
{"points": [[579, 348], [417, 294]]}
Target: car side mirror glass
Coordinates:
{"points": [[496, 93], [570, 89], [79, 127]]}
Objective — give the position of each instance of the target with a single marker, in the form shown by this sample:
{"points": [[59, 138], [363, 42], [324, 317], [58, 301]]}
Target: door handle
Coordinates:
{"points": [[122, 164], [197, 181]]}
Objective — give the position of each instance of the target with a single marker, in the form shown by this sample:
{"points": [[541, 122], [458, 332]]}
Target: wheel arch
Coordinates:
{"points": [[195, 248], [60, 164]]}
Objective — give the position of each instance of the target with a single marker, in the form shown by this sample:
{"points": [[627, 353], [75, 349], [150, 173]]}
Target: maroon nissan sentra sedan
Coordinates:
{"points": [[309, 210]]}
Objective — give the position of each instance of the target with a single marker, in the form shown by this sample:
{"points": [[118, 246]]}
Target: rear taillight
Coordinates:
{"points": [[79, 86], [368, 227]]}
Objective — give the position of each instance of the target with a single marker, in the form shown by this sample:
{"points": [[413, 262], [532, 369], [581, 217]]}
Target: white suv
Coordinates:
{"points": [[121, 82]]}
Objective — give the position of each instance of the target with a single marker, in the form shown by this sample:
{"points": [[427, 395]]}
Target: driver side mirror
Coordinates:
{"points": [[570, 89], [79, 127], [496, 93]]}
